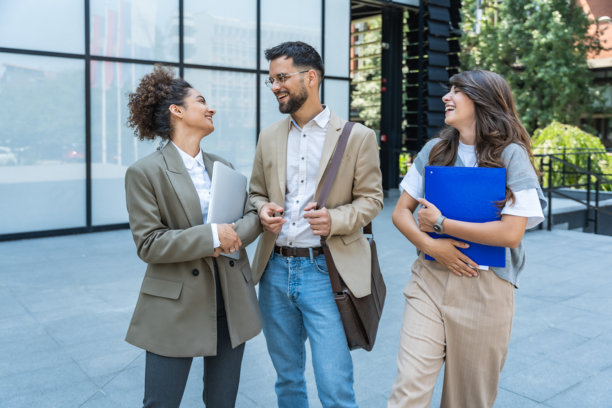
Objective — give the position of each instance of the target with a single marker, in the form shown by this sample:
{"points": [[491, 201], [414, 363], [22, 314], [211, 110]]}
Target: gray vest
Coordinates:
{"points": [[520, 175]]}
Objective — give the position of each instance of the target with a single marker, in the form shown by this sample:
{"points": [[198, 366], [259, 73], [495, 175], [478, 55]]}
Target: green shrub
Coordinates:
{"points": [[574, 146]]}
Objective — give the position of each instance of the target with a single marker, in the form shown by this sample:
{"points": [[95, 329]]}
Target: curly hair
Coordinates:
{"points": [[497, 122], [148, 105]]}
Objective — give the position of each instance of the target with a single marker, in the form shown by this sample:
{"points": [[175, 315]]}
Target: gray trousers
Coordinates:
{"points": [[165, 377]]}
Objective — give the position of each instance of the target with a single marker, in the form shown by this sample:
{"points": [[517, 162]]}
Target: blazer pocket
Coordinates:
{"points": [[246, 272], [161, 288], [347, 239]]}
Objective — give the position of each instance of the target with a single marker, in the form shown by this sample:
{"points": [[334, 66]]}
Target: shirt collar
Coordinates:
{"points": [[188, 161], [321, 120]]}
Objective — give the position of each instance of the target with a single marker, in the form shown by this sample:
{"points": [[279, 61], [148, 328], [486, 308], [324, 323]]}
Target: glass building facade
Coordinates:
{"points": [[68, 66]]}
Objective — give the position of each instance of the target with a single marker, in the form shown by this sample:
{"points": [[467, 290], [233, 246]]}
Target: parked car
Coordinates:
{"points": [[7, 157]]}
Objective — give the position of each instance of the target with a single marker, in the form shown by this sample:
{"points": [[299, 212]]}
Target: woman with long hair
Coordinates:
{"points": [[192, 302], [457, 314]]}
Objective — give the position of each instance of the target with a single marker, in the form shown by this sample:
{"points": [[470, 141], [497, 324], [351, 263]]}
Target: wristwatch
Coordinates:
{"points": [[437, 227]]}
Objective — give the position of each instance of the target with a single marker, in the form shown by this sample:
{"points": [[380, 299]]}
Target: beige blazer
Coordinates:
{"points": [[355, 199], [176, 314]]}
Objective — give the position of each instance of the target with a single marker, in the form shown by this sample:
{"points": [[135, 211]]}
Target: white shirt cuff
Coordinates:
{"points": [[216, 240]]}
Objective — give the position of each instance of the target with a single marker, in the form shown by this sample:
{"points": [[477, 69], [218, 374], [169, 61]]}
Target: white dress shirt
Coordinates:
{"points": [[201, 181], [304, 149]]}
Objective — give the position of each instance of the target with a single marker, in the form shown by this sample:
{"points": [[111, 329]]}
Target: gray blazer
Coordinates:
{"points": [[175, 315]]}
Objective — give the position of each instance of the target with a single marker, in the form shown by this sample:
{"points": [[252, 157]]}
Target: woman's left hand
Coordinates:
{"points": [[427, 215]]}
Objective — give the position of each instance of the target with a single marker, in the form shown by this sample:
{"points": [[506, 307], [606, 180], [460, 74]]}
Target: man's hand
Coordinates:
{"points": [[271, 218], [230, 242], [319, 220]]}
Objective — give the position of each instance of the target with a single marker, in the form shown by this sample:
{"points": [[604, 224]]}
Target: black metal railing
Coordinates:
{"points": [[559, 172]]}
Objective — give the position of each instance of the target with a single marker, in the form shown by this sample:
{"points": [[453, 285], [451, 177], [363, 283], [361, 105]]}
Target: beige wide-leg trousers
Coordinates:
{"points": [[463, 322]]}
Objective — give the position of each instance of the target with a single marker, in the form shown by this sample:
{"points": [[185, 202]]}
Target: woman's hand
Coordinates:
{"points": [[230, 242], [428, 215], [444, 250]]}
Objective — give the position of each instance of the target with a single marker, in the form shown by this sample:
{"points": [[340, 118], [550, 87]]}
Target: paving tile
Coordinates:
{"points": [[552, 316], [594, 392], [588, 324], [58, 377], [62, 396], [99, 400], [596, 300], [548, 343], [127, 388], [65, 313], [593, 357], [543, 381], [508, 399]]}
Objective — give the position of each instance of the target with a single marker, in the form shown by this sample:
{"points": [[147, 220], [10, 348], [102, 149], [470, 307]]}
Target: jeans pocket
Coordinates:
{"points": [[320, 264]]}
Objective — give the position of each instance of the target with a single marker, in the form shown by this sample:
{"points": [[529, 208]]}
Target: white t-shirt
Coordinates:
{"points": [[526, 203]]}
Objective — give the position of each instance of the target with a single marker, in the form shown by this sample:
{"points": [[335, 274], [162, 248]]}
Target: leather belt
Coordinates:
{"points": [[297, 252]]}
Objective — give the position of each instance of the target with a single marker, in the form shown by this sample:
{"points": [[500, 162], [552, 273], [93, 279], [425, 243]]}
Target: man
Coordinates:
{"points": [[295, 293]]}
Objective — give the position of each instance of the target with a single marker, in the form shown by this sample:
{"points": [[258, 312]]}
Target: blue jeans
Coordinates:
{"points": [[297, 302]]}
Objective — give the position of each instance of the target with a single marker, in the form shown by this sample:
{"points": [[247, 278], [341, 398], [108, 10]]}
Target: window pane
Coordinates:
{"points": [[337, 30], [232, 95], [289, 20], [113, 145], [142, 29], [268, 106], [221, 33], [337, 97], [43, 25], [42, 143]]}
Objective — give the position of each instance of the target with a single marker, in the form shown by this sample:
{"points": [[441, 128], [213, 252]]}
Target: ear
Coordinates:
{"points": [[176, 111], [313, 78]]}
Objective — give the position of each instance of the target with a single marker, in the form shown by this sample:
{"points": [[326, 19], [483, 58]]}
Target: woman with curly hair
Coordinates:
{"points": [[192, 302], [457, 314]]}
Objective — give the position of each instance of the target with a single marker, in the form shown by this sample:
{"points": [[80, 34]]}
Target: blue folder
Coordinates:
{"points": [[469, 194]]}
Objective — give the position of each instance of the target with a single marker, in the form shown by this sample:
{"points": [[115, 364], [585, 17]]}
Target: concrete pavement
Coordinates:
{"points": [[66, 302]]}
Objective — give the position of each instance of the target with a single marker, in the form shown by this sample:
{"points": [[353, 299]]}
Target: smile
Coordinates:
{"points": [[449, 108]]}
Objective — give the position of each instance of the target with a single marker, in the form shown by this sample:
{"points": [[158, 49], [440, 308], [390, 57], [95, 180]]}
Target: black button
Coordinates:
{"points": [[195, 272], [231, 263]]}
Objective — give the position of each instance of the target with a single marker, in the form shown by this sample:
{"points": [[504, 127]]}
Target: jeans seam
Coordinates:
{"points": [[316, 265]]}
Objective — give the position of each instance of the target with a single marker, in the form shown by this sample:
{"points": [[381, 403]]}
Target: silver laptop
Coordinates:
{"points": [[227, 197]]}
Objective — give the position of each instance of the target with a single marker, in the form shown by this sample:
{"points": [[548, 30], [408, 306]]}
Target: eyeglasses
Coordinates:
{"points": [[280, 78]]}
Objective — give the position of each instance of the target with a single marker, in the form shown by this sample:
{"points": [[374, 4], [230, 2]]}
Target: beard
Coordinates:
{"points": [[295, 101]]}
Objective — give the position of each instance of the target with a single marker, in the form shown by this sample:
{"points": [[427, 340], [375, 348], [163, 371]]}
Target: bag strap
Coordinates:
{"points": [[332, 171], [330, 176]]}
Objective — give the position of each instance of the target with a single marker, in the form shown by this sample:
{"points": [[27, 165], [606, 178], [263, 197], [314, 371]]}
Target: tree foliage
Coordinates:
{"points": [[540, 47], [574, 146]]}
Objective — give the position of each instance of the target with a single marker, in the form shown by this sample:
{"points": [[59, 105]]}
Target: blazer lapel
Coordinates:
{"points": [[334, 129], [182, 184], [281, 154], [209, 164]]}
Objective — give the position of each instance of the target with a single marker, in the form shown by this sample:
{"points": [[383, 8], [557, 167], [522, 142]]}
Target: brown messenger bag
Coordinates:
{"points": [[360, 316]]}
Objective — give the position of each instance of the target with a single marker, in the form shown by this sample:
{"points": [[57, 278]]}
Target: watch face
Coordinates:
{"points": [[437, 228]]}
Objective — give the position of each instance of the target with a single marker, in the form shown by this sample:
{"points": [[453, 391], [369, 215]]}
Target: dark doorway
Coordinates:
{"points": [[401, 56]]}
